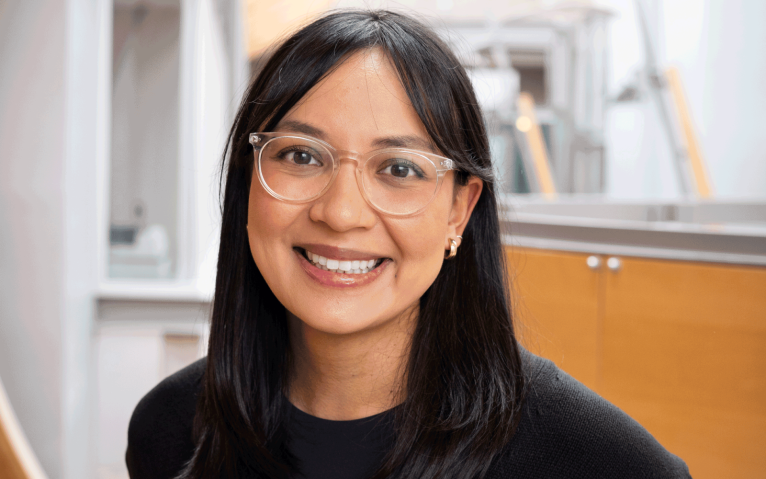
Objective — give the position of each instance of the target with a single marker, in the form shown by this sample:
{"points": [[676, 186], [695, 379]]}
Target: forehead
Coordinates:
{"points": [[357, 104]]}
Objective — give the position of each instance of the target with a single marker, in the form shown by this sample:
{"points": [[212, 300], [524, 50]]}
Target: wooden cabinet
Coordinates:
{"points": [[680, 346], [556, 303]]}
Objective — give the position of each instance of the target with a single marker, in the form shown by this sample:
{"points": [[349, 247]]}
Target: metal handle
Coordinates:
{"points": [[614, 264], [593, 262]]}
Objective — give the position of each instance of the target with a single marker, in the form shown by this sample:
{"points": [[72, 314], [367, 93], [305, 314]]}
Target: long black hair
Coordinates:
{"points": [[464, 382]]}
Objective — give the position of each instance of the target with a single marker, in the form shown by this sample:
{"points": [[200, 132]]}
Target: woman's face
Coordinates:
{"points": [[358, 107]]}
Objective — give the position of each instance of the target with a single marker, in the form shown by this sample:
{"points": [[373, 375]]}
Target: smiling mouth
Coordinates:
{"points": [[341, 266]]}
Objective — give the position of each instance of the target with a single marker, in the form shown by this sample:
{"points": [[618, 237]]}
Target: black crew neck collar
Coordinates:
{"points": [[307, 419]]}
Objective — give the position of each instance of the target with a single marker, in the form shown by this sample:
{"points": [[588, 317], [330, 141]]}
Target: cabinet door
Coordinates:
{"points": [[684, 353], [555, 302]]}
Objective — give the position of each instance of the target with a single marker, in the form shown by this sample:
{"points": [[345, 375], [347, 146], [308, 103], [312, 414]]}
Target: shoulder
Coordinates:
{"points": [[160, 432], [567, 430]]}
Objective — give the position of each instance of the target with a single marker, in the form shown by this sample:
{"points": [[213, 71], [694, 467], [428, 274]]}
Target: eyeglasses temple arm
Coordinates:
{"points": [[447, 164]]}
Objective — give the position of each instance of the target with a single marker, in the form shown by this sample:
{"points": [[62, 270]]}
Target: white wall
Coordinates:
{"points": [[719, 47], [54, 137], [32, 135]]}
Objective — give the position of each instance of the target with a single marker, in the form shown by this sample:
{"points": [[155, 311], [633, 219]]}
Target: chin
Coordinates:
{"points": [[341, 323]]}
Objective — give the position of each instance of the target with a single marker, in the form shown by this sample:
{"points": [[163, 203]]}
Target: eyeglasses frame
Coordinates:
{"points": [[257, 138]]}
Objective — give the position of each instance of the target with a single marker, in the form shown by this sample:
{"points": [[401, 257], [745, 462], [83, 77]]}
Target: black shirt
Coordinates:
{"points": [[566, 431], [339, 449]]}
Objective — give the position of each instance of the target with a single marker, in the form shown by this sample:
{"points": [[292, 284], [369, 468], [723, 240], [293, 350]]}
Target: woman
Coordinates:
{"points": [[343, 344]]}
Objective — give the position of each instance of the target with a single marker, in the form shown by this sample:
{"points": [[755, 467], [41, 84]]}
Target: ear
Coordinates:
{"points": [[463, 202]]}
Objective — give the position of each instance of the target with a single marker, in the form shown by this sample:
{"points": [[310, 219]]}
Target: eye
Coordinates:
{"points": [[299, 156], [400, 169]]}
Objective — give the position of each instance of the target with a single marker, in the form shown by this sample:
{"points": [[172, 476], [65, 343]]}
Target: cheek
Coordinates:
{"points": [[423, 238], [268, 215], [260, 219], [425, 242], [268, 222], [262, 215], [421, 244]]}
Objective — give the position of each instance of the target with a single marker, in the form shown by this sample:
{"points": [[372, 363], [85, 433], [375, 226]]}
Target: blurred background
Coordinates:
{"points": [[626, 136]]}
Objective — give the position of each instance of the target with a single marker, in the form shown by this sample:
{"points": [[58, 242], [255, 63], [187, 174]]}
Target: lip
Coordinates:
{"points": [[342, 254], [340, 280]]}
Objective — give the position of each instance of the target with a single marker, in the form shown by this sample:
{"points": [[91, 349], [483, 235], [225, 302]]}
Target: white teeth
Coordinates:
{"points": [[341, 266]]}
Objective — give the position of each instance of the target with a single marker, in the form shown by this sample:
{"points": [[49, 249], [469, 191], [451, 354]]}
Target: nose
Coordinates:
{"points": [[343, 207]]}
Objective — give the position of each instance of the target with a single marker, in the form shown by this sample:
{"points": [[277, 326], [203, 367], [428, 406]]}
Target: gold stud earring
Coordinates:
{"points": [[452, 249]]}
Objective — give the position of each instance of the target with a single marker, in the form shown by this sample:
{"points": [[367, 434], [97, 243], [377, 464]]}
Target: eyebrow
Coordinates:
{"points": [[397, 141], [300, 127], [405, 141]]}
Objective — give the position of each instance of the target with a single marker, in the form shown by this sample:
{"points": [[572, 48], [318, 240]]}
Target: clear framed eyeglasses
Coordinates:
{"points": [[395, 181]]}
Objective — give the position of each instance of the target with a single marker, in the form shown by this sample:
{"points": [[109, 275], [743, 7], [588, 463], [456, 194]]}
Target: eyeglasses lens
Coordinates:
{"points": [[396, 181], [295, 168], [399, 182]]}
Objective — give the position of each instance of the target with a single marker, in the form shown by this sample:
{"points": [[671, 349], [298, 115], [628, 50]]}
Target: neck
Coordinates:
{"points": [[349, 376]]}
